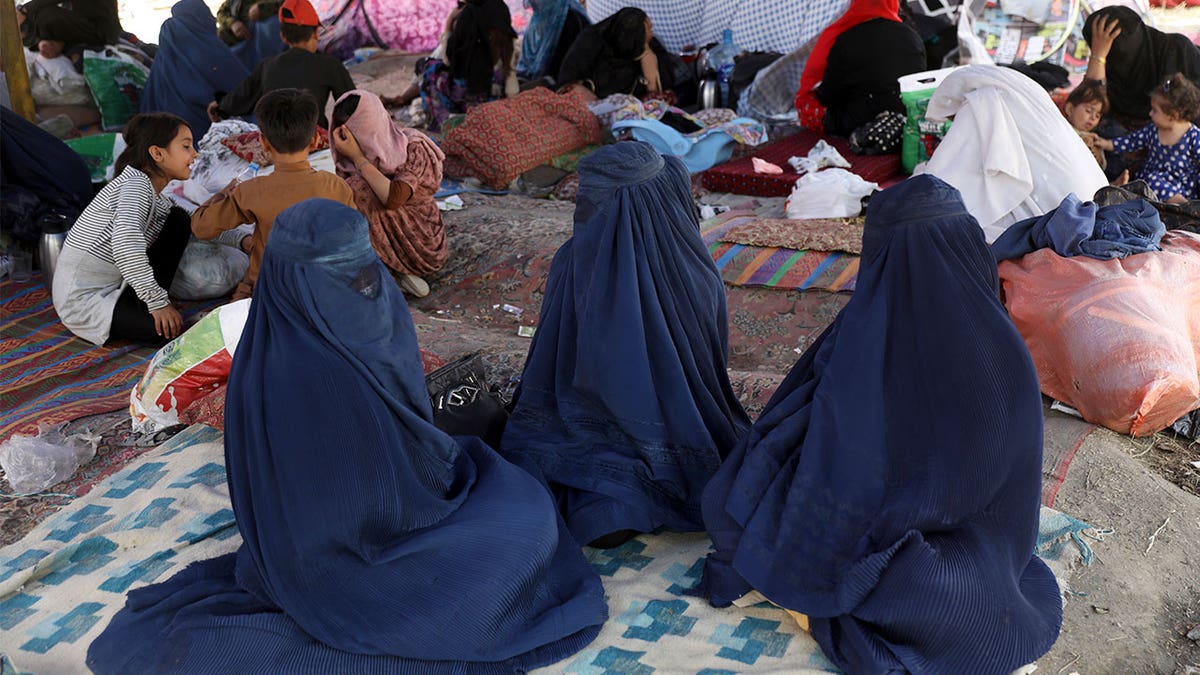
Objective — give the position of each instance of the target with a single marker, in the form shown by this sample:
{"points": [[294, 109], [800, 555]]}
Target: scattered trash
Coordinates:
{"points": [[451, 203], [798, 350], [1099, 610], [1196, 464], [822, 155], [763, 166], [1064, 408], [526, 331], [34, 463], [1188, 426], [512, 309], [710, 210], [1154, 536], [1194, 633]]}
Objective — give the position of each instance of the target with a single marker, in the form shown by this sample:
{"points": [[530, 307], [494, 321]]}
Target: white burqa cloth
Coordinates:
{"points": [[1010, 151]]}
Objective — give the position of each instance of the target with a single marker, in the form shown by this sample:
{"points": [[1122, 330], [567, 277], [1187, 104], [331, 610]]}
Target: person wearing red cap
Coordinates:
{"points": [[300, 67]]}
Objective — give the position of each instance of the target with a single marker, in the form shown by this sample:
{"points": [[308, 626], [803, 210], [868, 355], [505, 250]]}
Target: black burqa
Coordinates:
{"points": [[469, 48], [1141, 57], [606, 56]]}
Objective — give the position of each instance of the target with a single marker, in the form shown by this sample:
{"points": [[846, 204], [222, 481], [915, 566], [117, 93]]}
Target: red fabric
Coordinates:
{"points": [[210, 408], [811, 112], [500, 140], [738, 176], [249, 146]]}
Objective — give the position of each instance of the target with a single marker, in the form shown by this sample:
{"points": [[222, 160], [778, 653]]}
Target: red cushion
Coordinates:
{"points": [[738, 176]]}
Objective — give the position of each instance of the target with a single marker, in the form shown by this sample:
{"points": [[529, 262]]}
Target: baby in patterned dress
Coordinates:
{"points": [[1173, 166]]}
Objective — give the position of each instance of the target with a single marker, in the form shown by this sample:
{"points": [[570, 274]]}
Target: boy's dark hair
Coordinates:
{"points": [[343, 111], [294, 35], [1178, 97], [287, 118], [142, 132], [1090, 91]]}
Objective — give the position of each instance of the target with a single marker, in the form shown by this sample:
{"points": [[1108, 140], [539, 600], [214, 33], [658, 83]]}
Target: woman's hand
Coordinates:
{"points": [[168, 322], [255, 13], [345, 144], [1105, 32], [241, 30]]}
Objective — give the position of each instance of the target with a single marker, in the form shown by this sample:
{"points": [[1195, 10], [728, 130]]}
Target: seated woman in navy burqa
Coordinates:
{"points": [[372, 541], [625, 408], [890, 490]]}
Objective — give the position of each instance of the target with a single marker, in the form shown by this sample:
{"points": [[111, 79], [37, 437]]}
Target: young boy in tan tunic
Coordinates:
{"points": [[288, 121]]}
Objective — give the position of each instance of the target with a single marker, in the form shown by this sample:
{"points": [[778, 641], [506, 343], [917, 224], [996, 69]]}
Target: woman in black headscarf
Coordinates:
{"points": [[619, 55], [1133, 58], [478, 65]]}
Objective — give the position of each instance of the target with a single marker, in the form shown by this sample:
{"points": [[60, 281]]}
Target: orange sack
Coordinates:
{"points": [[1119, 340]]}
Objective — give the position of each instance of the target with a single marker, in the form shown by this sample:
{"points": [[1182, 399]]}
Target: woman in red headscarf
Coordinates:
{"points": [[850, 77]]}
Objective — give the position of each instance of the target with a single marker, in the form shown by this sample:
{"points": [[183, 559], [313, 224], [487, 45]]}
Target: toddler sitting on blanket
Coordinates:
{"points": [[1085, 105], [288, 121], [1173, 166]]}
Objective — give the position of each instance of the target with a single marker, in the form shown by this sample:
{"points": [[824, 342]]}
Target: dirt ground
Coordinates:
{"points": [[1130, 611]]}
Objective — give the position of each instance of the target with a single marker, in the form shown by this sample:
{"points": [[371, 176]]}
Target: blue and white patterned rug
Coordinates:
{"points": [[62, 583]]}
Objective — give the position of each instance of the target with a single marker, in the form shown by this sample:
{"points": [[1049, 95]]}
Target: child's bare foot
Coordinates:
{"points": [[1122, 179], [1177, 199]]}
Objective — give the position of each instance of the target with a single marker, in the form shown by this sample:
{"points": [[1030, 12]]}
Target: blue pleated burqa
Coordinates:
{"points": [[373, 542], [192, 63], [890, 489], [625, 407]]}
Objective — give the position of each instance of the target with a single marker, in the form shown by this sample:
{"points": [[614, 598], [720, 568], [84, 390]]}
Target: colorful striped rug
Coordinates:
{"points": [[774, 267], [49, 376]]}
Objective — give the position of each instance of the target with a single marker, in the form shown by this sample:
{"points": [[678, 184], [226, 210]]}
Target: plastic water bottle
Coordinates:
{"points": [[721, 60], [247, 173]]}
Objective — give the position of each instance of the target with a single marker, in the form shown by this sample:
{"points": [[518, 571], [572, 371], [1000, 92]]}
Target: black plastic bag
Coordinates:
{"points": [[463, 404]]}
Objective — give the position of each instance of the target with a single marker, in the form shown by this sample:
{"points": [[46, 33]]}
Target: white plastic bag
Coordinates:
{"points": [[34, 463], [832, 193], [822, 155], [208, 270]]}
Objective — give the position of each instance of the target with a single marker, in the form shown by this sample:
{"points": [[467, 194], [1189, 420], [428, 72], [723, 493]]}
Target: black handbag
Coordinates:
{"points": [[463, 403]]}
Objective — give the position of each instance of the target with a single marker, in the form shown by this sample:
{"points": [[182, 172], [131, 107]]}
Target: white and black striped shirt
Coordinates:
{"points": [[118, 226]]}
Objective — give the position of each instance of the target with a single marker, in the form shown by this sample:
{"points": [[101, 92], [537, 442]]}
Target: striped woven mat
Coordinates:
{"points": [[775, 267], [49, 376]]}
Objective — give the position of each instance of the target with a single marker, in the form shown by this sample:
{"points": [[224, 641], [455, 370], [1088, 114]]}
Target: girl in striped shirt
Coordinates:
{"points": [[122, 253]]}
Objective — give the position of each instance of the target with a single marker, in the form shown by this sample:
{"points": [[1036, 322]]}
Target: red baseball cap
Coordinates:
{"points": [[298, 13]]}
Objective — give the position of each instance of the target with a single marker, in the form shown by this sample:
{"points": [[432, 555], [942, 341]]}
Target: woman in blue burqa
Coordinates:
{"points": [[625, 408], [372, 541], [192, 63], [890, 490]]}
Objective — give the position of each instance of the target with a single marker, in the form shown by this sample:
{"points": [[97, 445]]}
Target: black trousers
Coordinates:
{"points": [[131, 317]]}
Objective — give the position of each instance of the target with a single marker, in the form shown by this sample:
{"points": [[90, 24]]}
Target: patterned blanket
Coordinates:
{"points": [[47, 375], [63, 582], [774, 266], [738, 175]]}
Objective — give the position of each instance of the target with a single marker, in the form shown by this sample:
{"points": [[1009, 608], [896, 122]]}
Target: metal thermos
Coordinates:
{"points": [[710, 92], [54, 232]]}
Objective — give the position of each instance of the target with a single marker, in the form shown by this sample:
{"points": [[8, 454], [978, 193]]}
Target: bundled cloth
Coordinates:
{"points": [[625, 408], [38, 174], [502, 139], [891, 493], [1010, 151], [1115, 339], [1078, 228], [372, 541]]}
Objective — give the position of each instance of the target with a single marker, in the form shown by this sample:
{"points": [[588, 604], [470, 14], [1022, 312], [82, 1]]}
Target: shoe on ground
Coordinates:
{"points": [[413, 285]]}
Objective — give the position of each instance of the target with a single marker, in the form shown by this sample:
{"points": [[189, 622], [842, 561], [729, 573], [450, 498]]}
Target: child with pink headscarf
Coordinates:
{"points": [[394, 173]]}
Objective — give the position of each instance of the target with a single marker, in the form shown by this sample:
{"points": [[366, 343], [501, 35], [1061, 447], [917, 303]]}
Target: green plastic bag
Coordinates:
{"points": [[99, 152], [921, 136], [116, 80]]}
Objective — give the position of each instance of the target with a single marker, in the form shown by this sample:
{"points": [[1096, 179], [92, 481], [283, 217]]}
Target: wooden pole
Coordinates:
{"points": [[13, 53]]}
